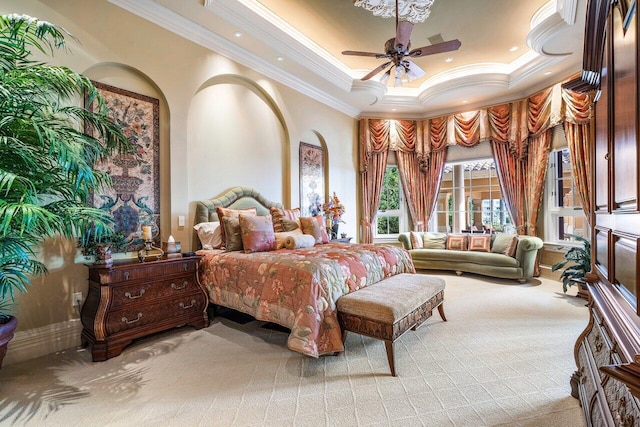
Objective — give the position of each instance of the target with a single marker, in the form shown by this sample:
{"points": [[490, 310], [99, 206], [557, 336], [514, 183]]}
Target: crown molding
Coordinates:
{"points": [[552, 18], [169, 20]]}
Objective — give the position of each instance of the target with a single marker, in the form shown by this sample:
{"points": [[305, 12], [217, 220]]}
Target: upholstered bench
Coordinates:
{"points": [[387, 309]]}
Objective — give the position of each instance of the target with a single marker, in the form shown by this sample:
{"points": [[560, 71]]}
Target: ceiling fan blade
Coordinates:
{"points": [[357, 53], [403, 34], [377, 70], [436, 48]]}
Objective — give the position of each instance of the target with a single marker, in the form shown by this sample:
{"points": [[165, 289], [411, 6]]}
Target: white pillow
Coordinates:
{"points": [[282, 236], [209, 234]]}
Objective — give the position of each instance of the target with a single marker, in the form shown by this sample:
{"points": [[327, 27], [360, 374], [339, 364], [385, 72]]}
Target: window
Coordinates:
{"points": [[390, 216], [564, 209], [470, 199]]}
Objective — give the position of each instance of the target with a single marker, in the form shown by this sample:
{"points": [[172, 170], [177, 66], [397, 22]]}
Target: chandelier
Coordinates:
{"points": [[414, 11]]}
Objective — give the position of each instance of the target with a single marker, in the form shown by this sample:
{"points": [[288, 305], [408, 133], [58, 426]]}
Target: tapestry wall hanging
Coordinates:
{"points": [[134, 198], [311, 179]]}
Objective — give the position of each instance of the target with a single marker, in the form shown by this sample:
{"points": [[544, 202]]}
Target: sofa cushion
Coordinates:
{"points": [[434, 240], [416, 240], [480, 243], [485, 258], [457, 243], [501, 242], [513, 247]]}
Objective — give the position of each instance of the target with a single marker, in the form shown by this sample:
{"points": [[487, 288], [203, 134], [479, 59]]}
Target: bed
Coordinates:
{"points": [[297, 288]]}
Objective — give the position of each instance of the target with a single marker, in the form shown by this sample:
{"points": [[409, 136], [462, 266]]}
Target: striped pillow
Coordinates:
{"points": [[416, 240], [279, 214]]}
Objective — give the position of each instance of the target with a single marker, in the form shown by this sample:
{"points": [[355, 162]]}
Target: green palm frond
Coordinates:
{"points": [[579, 261], [46, 159]]}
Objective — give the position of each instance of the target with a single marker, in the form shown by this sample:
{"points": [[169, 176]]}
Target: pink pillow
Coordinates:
{"points": [[416, 240], [280, 214], [480, 243], [257, 233], [458, 243], [315, 227], [232, 213]]}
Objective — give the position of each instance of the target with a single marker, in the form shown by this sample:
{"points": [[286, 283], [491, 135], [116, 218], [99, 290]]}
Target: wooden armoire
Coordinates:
{"points": [[607, 381]]}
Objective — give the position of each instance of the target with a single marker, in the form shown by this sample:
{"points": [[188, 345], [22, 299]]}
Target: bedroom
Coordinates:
{"points": [[200, 93]]}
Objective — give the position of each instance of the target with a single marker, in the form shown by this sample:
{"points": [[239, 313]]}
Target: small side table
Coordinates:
{"points": [[341, 240]]}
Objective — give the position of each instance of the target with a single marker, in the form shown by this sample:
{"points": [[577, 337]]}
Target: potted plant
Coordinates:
{"points": [[100, 249], [579, 260], [46, 162]]}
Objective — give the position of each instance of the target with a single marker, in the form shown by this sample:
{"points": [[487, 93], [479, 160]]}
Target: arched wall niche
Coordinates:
{"points": [[313, 137], [236, 135], [129, 78]]}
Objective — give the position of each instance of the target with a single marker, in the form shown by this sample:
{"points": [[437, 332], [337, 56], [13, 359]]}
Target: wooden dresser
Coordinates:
{"points": [[608, 351], [131, 299]]}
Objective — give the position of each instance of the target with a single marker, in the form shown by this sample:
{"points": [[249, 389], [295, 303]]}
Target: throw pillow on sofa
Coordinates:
{"points": [[457, 243], [480, 243], [501, 242], [434, 241], [513, 246], [416, 240]]}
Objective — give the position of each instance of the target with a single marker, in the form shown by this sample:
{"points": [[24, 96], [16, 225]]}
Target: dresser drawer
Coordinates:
{"points": [[124, 294], [138, 316], [623, 406], [142, 271]]}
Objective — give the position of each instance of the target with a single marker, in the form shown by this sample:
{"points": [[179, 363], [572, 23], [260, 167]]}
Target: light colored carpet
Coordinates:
{"points": [[504, 358]]}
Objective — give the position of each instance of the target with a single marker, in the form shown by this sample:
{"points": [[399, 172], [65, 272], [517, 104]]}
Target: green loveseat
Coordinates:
{"points": [[495, 264]]}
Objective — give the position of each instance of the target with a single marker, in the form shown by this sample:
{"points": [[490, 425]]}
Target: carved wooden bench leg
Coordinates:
{"points": [[390, 357], [441, 311]]}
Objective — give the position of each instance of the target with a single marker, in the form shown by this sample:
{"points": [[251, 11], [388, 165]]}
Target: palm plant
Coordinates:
{"points": [[580, 262], [46, 160]]}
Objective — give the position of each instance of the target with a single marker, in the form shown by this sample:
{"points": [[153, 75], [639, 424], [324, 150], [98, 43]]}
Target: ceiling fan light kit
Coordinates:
{"points": [[407, 12]]}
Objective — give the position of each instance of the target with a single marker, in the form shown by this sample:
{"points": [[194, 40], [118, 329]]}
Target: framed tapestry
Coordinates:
{"points": [[311, 179], [134, 198]]}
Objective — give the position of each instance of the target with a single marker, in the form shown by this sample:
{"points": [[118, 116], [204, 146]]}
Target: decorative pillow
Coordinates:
{"points": [[458, 243], [416, 240], [233, 234], [501, 242], [315, 227], [289, 224], [281, 237], [511, 249], [232, 213], [257, 233], [280, 214], [210, 234], [434, 240], [480, 243]]}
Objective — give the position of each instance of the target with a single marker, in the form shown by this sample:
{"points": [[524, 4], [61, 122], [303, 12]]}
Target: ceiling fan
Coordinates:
{"points": [[397, 52]]}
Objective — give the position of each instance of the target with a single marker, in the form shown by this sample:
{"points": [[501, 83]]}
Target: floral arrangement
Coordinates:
{"points": [[333, 210]]}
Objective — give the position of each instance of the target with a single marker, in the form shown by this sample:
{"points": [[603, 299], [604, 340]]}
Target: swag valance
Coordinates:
{"points": [[520, 134]]}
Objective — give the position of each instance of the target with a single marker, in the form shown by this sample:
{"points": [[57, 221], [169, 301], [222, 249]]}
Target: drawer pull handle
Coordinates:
{"points": [[128, 294], [126, 275], [599, 346], [177, 287], [129, 322], [184, 267], [193, 302]]}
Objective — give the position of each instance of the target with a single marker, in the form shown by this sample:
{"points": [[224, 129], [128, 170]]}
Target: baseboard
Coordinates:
{"points": [[38, 342]]}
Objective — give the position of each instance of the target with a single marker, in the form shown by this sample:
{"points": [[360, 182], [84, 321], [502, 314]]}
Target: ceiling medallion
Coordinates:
{"points": [[414, 11]]}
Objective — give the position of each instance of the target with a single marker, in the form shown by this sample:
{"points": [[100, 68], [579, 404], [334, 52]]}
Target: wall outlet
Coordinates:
{"points": [[76, 299]]}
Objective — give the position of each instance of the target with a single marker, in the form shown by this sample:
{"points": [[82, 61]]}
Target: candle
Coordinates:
{"points": [[146, 232], [171, 240]]}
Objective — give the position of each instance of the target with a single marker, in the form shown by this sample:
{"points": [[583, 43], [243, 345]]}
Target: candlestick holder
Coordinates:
{"points": [[150, 252]]}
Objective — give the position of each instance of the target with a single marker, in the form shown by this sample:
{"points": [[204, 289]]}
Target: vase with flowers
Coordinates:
{"points": [[333, 211]]}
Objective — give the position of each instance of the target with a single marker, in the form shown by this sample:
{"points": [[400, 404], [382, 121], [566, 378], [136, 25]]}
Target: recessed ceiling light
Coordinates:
{"points": [[393, 109], [546, 73], [280, 58], [513, 49], [237, 34], [448, 59], [465, 101]]}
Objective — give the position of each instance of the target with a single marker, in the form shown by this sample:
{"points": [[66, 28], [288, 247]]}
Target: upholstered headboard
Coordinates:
{"points": [[234, 198]]}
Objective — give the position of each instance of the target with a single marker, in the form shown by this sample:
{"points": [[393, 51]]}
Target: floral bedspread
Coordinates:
{"points": [[299, 288]]}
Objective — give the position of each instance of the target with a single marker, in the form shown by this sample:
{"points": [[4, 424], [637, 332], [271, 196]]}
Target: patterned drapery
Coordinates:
{"points": [[577, 128], [374, 144], [520, 135]]}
